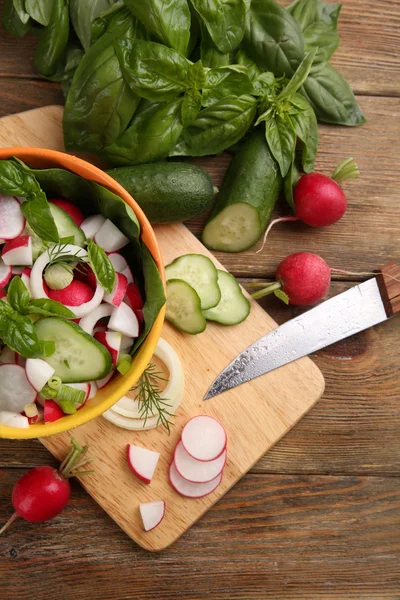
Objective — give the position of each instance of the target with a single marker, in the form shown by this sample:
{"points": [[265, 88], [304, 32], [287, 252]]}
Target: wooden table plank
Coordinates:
{"points": [[367, 56], [272, 536], [353, 429]]}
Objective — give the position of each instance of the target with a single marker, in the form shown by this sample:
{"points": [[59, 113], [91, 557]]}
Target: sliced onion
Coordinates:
{"points": [[88, 323], [36, 280], [125, 413]]}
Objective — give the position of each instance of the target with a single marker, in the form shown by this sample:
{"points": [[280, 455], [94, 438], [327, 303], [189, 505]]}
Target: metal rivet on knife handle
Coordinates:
{"points": [[389, 287]]}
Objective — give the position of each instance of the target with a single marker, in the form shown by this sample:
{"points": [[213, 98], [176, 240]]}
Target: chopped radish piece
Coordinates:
{"points": [[110, 238], [204, 438], [26, 278], [126, 343], [92, 225], [118, 261], [18, 251], [124, 320], [71, 209], [15, 389], [38, 372], [93, 389], [52, 412], [84, 387], [37, 287], [8, 356], [189, 489], [38, 417], [112, 341], [88, 322], [12, 221], [17, 270], [133, 296], [142, 462], [5, 273], [152, 513], [140, 317], [99, 328], [103, 382], [128, 274], [194, 470], [74, 294], [118, 291], [13, 419]]}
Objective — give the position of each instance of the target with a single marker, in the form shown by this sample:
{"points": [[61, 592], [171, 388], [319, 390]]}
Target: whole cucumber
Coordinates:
{"points": [[169, 191], [246, 200]]}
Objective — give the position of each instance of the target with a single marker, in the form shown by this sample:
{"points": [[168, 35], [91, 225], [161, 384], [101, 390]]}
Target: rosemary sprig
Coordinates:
{"points": [[149, 398]]}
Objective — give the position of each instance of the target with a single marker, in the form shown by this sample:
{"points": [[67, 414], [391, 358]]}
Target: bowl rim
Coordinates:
{"points": [[121, 385]]}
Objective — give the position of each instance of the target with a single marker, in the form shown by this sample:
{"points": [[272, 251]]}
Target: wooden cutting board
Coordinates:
{"points": [[256, 415]]}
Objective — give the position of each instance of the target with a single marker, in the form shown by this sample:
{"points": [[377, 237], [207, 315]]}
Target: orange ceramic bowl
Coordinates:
{"points": [[119, 385]]}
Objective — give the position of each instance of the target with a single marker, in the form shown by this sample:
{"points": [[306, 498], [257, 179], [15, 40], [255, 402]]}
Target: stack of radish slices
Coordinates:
{"points": [[199, 458]]}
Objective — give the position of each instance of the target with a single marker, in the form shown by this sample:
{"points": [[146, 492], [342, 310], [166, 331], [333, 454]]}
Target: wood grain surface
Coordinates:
{"points": [[277, 534]]}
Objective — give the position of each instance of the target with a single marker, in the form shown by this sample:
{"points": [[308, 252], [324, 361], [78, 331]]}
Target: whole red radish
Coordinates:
{"points": [[75, 294], [43, 492], [318, 199], [71, 209], [302, 279]]}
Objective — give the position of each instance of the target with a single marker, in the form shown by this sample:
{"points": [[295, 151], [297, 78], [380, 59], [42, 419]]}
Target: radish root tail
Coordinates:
{"points": [[270, 226], [9, 522]]}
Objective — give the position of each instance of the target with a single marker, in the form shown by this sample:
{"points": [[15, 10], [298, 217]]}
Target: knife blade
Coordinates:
{"points": [[346, 314]]}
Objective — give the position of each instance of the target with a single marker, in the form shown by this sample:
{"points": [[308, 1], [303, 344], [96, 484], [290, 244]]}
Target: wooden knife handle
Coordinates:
{"points": [[389, 287]]}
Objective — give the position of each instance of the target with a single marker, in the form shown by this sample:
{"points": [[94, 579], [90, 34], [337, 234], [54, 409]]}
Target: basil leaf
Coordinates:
{"points": [[82, 16], [19, 334], [318, 21], [17, 180], [298, 78], [332, 98], [196, 77], [305, 125], [289, 182], [154, 294], [48, 308], [100, 103], [18, 295], [217, 127], [190, 106], [154, 71], [53, 39], [101, 266], [152, 134], [19, 6], [231, 84], [224, 20], [253, 71], [210, 55], [14, 20], [168, 20], [281, 139], [273, 39], [37, 212], [39, 10]]}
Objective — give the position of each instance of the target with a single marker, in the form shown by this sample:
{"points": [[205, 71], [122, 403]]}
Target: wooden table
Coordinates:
{"points": [[319, 516]]}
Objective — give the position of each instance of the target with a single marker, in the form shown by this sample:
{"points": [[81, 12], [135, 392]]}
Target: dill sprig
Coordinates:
{"points": [[149, 398], [59, 256]]}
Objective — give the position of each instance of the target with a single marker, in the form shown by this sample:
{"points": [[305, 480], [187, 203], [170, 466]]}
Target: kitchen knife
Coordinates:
{"points": [[359, 308]]}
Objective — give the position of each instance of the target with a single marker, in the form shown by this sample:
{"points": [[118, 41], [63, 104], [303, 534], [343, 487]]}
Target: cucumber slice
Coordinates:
{"points": [[78, 356], [234, 307], [246, 199], [66, 227], [200, 273], [184, 308]]}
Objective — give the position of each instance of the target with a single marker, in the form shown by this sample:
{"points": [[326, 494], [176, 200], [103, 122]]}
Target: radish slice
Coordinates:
{"points": [[52, 412], [112, 341], [38, 372], [128, 274], [15, 389], [118, 292], [110, 238], [12, 221], [92, 225], [26, 278], [204, 438], [152, 513], [189, 489], [118, 261], [103, 382], [194, 470], [36, 281], [13, 419], [133, 296], [8, 356], [124, 320], [84, 387], [18, 251], [5, 273], [142, 462], [126, 343], [93, 389], [88, 323]]}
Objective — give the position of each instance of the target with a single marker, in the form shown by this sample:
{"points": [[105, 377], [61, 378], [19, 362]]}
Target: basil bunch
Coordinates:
{"points": [[161, 78]]}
